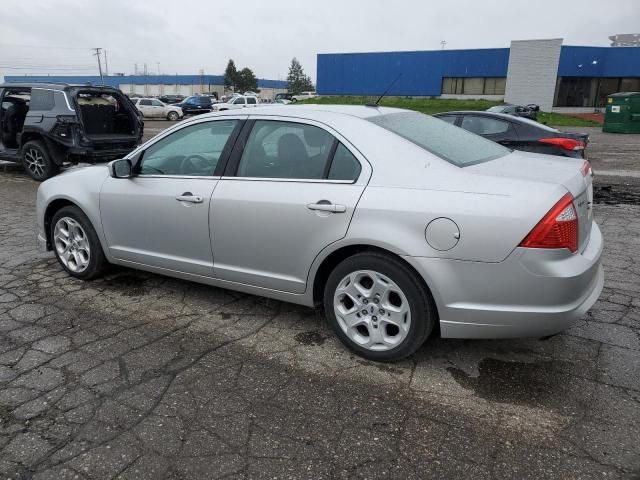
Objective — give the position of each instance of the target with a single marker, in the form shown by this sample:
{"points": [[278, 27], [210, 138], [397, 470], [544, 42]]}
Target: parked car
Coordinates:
{"points": [[530, 111], [283, 96], [195, 105], [519, 133], [171, 99], [303, 96], [236, 102], [154, 108], [44, 125], [250, 94], [392, 220]]}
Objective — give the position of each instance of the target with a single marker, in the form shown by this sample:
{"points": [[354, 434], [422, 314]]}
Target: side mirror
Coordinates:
{"points": [[121, 168]]}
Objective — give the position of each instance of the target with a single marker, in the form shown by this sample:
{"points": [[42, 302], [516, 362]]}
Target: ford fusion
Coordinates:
{"points": [[397, 223]]}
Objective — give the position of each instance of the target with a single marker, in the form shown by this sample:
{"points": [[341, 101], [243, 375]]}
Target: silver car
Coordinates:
{"points": [[394, 221]]}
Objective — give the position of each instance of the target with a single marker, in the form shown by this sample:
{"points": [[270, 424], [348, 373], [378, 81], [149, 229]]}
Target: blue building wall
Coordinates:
{"points": [[421, 73], [609, 62], [115, 81]]}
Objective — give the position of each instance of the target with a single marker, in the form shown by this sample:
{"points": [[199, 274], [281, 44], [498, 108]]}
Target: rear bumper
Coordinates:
{"points": [[533, 293], [91, 155]]}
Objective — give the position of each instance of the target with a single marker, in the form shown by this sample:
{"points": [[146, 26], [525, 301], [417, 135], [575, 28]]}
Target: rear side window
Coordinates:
{"points": [[344, 165], [452, 144], [251, 101], [285, 150], [484, 125], [42, 100], [145, 102], [447, 118]]}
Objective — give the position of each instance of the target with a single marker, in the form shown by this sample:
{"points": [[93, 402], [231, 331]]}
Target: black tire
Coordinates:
{"points": [[97, 261], [294, 100], [37, 161], [424, 314], [173, 116]]}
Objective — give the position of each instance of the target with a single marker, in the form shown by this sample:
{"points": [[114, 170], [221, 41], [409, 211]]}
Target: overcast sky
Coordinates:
{"points": [[54, 37]]}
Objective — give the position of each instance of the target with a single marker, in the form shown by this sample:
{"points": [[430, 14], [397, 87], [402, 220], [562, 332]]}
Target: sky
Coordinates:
{"points": [[186, 36]]}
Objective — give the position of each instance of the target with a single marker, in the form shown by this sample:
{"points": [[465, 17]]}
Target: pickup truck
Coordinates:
{"points": [[303, 96], [236, 102]]}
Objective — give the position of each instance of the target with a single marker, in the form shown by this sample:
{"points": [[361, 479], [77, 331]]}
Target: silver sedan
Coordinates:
{"points": [[395, 222]]}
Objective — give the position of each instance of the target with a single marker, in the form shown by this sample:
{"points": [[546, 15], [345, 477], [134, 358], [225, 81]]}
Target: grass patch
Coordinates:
{"points": [[438, 105]]}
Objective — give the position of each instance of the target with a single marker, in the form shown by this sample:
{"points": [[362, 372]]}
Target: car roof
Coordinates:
{"points": [[53, 85], [314, 111], [504, 116]]}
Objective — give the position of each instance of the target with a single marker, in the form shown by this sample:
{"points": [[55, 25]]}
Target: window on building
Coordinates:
{"points": [[630, 85], [591, 91], [474, 85]]}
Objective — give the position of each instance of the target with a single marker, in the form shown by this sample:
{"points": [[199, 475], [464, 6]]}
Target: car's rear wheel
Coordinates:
{"points": [[378, 307], [173, 116], [76, 244], [37, 161]]}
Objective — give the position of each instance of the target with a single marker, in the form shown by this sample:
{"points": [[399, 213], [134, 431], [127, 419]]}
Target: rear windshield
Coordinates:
{"points": [[453, 144]]}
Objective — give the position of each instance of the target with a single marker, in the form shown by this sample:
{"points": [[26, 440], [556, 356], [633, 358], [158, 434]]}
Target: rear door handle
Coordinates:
{"points": [[189, 197], [326, 206]]}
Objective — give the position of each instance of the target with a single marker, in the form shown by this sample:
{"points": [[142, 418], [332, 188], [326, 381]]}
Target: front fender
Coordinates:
{"points": [[78, 186]]}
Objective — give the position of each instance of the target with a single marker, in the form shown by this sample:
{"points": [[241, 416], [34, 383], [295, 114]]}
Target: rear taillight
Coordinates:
{"points": [[564, 143], [586, 169], [557, 229]]}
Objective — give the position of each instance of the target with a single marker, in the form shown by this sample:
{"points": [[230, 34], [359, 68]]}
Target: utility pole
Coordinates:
{"points": [[443, 43], [158, 64], [106, 64], [97, 54]]}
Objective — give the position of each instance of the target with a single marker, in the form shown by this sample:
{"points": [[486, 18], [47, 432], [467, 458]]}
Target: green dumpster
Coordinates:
{"points": [[623, 113]]}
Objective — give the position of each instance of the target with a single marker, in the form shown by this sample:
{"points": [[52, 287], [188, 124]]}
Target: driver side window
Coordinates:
{"points": [[191, 151]]}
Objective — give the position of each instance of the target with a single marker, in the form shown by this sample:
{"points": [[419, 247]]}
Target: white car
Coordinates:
{"points": [[154, 108], [236, 102], [303, 96]]}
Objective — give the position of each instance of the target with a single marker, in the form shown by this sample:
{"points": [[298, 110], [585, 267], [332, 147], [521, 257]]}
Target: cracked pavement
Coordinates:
{"points": [[138, 376]]}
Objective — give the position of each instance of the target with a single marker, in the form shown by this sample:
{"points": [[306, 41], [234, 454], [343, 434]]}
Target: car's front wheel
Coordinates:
{"points": [[173, 116], [37, 161], [378, 306], [76, 244]]}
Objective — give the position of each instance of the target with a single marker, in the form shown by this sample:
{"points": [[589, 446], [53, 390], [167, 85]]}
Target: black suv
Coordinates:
{"points": [[43, 125], [196, 105]]}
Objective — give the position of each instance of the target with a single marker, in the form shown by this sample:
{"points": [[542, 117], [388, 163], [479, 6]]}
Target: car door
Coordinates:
{"points": [[157, 109], [289, 191], [496, 129], [144, 105], [252, 102], [160, 217], [240, 102]]}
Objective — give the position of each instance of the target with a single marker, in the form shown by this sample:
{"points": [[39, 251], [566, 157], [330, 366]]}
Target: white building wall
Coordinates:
{"points": [[532, 72]]}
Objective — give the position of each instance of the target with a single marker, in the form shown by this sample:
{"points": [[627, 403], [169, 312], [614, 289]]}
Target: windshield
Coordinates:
{"points": [[453, 144]]}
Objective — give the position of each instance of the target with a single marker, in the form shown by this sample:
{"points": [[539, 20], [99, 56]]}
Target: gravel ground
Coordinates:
{"points": [[138, 376]]}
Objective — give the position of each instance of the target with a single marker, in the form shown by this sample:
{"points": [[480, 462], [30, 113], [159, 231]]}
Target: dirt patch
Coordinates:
{"points": [[312, 338]]}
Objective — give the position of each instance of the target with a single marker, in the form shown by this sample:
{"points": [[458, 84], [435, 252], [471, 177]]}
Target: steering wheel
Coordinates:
{"points": [[196, 163]]}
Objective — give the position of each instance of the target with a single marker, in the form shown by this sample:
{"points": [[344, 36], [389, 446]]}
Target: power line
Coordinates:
{"points": [[12, 45]]}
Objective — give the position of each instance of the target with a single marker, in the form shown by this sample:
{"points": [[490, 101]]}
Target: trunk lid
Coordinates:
{"points": [[548, 169]]}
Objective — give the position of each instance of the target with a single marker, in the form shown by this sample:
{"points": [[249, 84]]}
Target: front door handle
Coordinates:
{"points": [[327, 206], [189, 197]]}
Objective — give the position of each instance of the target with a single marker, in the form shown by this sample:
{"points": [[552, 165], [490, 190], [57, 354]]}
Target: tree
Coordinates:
{"points": [[230, 75], [246, 80], [297, 81]]}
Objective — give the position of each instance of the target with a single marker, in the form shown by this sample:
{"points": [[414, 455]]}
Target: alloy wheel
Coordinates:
{"points": [[372, 310], [35, 162], [71, 244]]}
